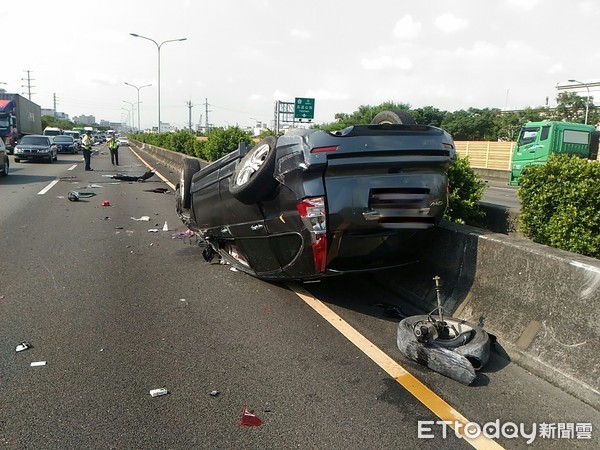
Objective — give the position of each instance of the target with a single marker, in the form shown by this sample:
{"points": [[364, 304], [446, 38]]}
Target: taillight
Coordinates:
{"points": [[331, 148], [313, 215]]}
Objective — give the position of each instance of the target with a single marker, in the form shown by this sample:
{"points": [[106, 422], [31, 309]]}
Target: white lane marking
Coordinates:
{"points": [[171, 185], [47, 188], [72, 167]]}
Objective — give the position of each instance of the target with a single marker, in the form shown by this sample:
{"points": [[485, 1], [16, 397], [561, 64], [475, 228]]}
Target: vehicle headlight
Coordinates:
{"points": [[18, 150], [44, 150]]}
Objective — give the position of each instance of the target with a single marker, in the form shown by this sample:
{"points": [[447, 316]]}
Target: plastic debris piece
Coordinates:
{"points": [[38, 363], [23, 346], [2, 296], [158, 392], [153, 230], [73, 196], [118, 228], [105, 203], [93, 186], [214, 393], [183, 234], [165, 226], [249, 419], [157, 190], [233, 269], [143, 218]]}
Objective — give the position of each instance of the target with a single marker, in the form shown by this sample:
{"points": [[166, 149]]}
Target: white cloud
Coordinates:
{"points": [[556, 68], [256, 98], [280, 95], [523, 4], [450, 23], [387, 62], [300, 34], [324, 94], [407, 28]]}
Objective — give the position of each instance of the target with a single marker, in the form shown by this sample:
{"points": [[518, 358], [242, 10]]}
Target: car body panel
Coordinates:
{"points": [[383, 187]]}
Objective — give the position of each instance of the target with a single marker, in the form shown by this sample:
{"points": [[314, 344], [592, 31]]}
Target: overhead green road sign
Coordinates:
{"points": [[304, 108]]}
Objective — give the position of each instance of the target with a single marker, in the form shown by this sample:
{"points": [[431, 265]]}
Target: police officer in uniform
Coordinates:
{"points": [[86, 148], [113, 147]]}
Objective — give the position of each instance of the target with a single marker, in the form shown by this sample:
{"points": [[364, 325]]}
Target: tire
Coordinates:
{"points": [[252, 180], [458, 358], [17, 160], [190, 167], [4, 172], [393, 117]]}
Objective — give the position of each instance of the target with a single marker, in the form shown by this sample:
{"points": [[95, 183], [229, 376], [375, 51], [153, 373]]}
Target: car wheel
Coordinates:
{"points": [[50, 158], [190, 167], [457, 357], [252, 180], [393, 117], [17, 160], [4, 171]]}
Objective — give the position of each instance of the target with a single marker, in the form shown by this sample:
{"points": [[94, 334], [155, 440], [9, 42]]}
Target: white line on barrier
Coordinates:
{"points": [[585, 266], [47, 188]]}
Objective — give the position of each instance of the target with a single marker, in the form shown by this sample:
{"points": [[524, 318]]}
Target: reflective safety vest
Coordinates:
{"points": [[113, 144], [87, 142]]}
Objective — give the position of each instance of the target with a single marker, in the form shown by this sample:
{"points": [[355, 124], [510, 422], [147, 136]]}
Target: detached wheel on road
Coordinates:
{"points": [[190, 167], [458, 354], [252, 180], [393, 117]]}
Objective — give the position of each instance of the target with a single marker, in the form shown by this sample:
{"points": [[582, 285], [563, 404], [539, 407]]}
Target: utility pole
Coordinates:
{"points": [[190, 106], [55, 104], [206, 112], [29, 80]]}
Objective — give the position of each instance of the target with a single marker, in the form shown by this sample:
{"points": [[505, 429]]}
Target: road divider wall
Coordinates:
{"points": [[541, 303]]}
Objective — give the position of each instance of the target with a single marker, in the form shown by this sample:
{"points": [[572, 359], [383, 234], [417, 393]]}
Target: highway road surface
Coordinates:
{"points": [[114, 307]]}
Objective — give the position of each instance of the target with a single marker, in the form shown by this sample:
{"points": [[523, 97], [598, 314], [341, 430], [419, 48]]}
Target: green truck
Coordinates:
{"points": [[537, 140]]}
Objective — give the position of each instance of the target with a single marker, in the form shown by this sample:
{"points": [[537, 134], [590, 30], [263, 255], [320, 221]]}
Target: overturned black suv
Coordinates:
{"points": [[313, 203]]}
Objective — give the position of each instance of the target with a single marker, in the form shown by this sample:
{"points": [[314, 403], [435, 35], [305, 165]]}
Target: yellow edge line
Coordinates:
{"points": [[171, 185], [421, 392]]}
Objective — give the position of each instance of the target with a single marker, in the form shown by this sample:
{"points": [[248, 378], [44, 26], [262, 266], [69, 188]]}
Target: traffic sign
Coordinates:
{"points": [[304, 108]]}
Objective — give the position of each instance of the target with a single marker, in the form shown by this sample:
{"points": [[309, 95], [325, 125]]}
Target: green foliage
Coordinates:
{"points": [[221, 142], [362, 116], [473, 124], [49, 121], [465, 192], [560, 204]]}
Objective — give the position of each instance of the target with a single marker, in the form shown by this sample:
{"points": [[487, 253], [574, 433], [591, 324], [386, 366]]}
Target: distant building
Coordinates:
{"points": [[86, 120]]}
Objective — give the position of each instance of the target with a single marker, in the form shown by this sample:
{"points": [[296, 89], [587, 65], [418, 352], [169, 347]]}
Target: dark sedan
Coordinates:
{"points": [[36, 147], [313, 203], [66, 144]]}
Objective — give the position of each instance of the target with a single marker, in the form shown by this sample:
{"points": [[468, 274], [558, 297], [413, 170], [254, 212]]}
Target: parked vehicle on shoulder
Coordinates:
{"points": [[4, 161], [313, 203], [35, 148], [66, 144]]}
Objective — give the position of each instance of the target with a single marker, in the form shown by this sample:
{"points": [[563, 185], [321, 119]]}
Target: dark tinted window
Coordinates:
{"points": [[544, 134], [63, 139], [34, 140]]}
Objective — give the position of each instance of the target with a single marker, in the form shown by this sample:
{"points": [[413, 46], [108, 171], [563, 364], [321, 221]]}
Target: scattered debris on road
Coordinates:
{"points": [[105, 203], [23, 346], [38, 363], [158, 392], [214, 393], [143, 218], [452, 347], [249, 419]]}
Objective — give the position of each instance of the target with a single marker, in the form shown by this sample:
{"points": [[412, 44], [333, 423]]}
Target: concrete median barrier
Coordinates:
{"points": [[540, 303]]}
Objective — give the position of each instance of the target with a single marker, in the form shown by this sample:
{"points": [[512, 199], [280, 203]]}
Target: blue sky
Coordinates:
{"points": [[243, 55]]}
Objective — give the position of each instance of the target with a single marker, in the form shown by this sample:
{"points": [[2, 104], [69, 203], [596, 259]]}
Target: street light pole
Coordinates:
{"points": [[158, 46], [587, 102], [138, 101], [132, 113]]}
